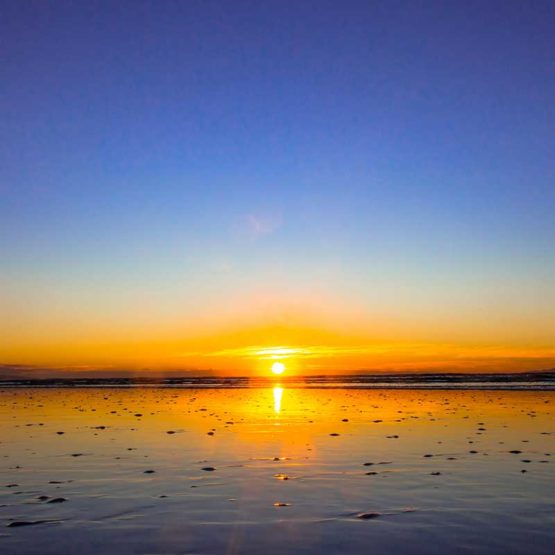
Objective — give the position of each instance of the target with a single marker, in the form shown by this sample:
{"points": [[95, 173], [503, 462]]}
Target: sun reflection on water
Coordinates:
{"points": [[278, 394]]}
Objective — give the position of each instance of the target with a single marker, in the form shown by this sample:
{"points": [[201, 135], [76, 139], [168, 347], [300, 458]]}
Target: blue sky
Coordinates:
{"points": [[398, 155]]}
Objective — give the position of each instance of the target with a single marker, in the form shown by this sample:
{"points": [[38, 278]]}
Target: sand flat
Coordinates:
{"points": [[276, 470]]}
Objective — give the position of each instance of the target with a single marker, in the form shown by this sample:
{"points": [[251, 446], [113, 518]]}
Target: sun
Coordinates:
{"points": [[278, 368]]}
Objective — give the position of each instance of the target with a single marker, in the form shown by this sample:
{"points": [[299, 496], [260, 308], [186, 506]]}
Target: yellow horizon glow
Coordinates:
{"points": [[252, 350], [309, 330]]}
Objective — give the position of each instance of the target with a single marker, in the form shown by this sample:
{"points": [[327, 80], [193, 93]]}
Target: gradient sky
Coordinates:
{"points": [[370, 184]]}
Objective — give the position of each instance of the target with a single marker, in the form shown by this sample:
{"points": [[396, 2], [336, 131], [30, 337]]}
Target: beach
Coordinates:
{"points": [[275, 470], [277, 278]]}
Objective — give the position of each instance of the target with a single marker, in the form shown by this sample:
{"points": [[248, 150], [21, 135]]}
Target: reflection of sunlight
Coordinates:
{"points": [[278, 394]]}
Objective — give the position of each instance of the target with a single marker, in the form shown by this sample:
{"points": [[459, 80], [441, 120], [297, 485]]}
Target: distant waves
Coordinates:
{"points": [[522, 381]]}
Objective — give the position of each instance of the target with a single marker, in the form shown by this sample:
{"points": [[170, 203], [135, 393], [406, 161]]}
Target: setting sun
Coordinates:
{"points": [[278, 368]]}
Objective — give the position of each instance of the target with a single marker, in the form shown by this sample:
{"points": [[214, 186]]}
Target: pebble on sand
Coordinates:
{"points": [[368, 516], [18, 523]]}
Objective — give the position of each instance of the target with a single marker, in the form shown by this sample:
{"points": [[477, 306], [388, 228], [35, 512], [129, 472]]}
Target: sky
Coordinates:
{"points": [[212, 186]]}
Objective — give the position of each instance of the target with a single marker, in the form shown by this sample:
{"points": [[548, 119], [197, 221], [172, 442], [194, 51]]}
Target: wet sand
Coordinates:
{"points": [[154, 470]]}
